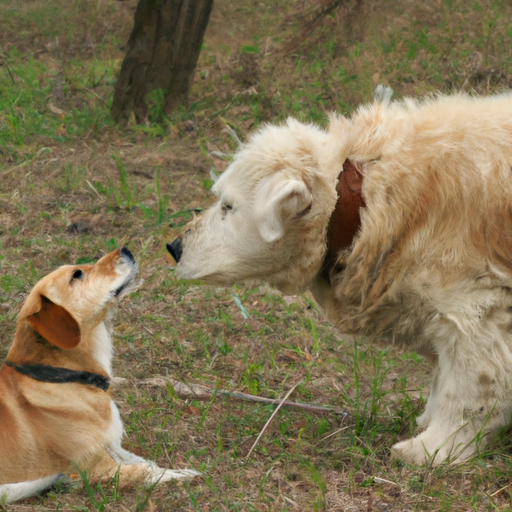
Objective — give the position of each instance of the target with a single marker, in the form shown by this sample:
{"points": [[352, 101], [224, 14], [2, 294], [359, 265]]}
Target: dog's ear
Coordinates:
{"points": [[284, 200], [52, 322]]}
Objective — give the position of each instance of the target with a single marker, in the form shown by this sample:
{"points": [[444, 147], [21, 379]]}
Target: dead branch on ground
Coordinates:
{"points": [[201, 392]]}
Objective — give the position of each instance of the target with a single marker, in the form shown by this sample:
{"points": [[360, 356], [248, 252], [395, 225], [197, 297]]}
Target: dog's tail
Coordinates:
{"points": [[22, 490]]}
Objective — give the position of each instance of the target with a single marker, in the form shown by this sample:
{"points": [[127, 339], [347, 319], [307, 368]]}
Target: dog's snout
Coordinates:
{"points": [[126, 254], [175, 249]]}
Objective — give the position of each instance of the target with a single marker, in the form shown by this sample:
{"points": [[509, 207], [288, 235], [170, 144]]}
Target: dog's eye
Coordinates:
{"points": [[77, 274], [226, 207]]}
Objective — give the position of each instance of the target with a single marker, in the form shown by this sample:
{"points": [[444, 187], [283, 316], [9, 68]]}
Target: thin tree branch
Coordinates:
{"points": [[200, 392], [281, 403]]}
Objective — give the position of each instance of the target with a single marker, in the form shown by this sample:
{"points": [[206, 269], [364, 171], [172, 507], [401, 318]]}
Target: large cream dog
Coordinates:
{"points": [[56, 412], [418, 247]]}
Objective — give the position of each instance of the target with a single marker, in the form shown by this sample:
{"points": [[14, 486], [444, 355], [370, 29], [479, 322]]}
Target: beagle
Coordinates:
{"points": [[56, 412]]}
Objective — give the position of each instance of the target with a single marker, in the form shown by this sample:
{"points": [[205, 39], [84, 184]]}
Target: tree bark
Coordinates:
{"points": [[162, 54]]}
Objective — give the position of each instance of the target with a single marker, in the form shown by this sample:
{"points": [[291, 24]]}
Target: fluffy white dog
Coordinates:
{"points": [[399, 220]]}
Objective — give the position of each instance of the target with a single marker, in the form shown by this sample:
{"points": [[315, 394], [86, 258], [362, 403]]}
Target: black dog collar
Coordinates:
{"points": [[45, 373]]}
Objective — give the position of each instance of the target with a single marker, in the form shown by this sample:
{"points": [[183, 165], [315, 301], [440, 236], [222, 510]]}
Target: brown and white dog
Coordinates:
{"points": [[56, 412]]}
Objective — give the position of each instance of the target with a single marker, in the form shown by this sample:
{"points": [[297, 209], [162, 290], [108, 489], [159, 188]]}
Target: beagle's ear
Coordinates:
{"points": [[53, 323], [285, 199]]}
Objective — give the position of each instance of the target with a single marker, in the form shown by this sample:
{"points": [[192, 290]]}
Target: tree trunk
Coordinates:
{"points": [[162, 54]]}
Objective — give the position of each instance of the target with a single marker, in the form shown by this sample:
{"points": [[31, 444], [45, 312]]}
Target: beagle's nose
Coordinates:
{"points": [[175, 249]]}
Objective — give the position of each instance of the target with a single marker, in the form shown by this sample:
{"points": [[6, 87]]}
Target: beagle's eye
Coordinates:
{"points": [[77, 274], [226, 207]]}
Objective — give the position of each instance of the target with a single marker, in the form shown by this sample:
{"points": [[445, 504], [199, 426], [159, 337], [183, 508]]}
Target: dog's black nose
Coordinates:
{"points": [[127, 254], [175, 249]]}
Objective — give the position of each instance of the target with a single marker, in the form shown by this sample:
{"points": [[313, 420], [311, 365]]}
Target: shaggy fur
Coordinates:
{"points": [[50, 428], [431, 267]]}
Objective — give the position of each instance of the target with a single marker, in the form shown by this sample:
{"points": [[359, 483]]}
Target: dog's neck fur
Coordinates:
{"points": [[103, 350], [93, 353]]}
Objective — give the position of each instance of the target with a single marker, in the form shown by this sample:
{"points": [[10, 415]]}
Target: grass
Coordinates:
{"points": [[73, 186]]}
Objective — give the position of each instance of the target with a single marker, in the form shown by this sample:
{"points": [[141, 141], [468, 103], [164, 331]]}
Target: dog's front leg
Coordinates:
{"points": [[132, 468], [469, 394], [156, 474], [145, 472]]}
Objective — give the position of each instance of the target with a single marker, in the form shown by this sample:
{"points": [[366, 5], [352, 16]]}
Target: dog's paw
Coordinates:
{"points": [[161, 476], [409, 451], [415, 452], [435, 446]]}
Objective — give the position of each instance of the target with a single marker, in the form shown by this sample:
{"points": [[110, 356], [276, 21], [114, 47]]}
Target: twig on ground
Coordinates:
{"points": [[500, 490], [220, 154], [94, 190], [271, 418], [4, 63], [15, 167], [198, 391], [233, 134], [379, 480], [334, 433], [308, 22]]}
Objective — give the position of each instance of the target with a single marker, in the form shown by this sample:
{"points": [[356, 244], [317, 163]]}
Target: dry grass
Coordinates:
{"points": [[72, 187]]}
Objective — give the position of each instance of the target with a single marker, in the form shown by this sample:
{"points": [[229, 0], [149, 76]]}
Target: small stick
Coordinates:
{"points": [[273, 401], [271, 418], [500, 490], [379, 480], [94, 190], [4, 63], [335, 432], [199, 391], [233, 134]]}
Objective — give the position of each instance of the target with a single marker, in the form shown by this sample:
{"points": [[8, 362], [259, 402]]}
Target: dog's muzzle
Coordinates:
{"points": [[129, 260], [175, 248], [127, 255]]}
